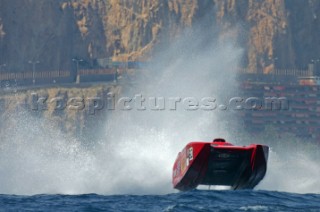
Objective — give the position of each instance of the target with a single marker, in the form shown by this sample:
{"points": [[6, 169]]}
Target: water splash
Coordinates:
{"points": [[139, 147]]}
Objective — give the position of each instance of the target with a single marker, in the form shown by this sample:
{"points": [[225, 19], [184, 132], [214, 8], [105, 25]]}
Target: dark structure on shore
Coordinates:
{"points": [[302, 115]]}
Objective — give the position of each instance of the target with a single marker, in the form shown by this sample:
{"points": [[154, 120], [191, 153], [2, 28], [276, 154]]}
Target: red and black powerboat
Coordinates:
{"points": [[220, 163]]}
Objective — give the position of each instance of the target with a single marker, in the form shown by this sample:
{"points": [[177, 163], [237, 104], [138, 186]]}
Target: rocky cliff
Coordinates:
{"points": [[274, 33], [69, 109]]}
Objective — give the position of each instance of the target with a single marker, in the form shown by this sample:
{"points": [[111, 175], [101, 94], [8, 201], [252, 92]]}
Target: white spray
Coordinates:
{"points": [[139, 147]]}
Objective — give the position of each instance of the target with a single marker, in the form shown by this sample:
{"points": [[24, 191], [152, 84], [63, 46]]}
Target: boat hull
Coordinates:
{"points": [[201, 163]]}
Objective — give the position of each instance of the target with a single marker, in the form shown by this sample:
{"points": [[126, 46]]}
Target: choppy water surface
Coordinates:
{"points": [[188, 201]]}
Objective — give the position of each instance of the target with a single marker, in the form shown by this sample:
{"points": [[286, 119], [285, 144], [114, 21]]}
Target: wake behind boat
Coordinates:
{"points": [[220, 163]]}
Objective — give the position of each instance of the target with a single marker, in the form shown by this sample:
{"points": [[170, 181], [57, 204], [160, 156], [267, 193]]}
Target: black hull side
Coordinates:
{"points": [[252, 177]]}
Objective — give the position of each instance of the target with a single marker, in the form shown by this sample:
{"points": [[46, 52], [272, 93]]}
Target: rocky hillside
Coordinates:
{"points": [[79, 119], [275, 33]]}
